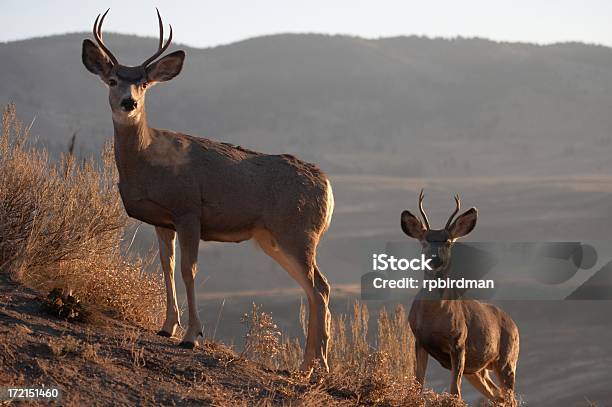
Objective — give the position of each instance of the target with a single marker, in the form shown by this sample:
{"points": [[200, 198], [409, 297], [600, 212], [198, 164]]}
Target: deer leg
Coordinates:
{"points": [[301, 266], [494, 387], [457, 365], [318, 312], [165, 238], [484, 385], [506, 377], [488, 380], [189, 239], [421, 363], [322, 289]]}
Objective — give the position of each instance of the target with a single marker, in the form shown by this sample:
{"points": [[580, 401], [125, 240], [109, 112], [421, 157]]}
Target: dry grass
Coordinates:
{"points": [[381, 374], [70, 346], [61, 225]]}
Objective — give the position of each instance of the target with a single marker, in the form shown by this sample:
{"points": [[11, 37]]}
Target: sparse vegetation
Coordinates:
{"points": [[69, 346], [61, 225], [381, 374]]}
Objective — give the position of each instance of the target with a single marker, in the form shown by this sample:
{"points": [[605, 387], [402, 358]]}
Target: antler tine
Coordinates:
{"points": [[423, 214], [161, 29], [457, 207], [161, 48], [97, 32]]}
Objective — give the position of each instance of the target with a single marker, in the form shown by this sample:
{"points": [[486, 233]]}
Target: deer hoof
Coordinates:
{"points": [[164, 334], [187, 345]]}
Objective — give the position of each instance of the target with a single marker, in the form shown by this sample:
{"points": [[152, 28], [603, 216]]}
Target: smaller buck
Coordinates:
{"points": [[466, 336]]}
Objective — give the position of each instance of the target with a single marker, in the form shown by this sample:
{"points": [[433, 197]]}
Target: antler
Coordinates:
{"points": [[423, 214], [97, 32], [457, 207], [161, 48]]}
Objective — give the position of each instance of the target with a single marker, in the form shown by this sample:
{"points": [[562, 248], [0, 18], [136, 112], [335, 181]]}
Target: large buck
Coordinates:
{"points": [[199, 189], [466, 336]]}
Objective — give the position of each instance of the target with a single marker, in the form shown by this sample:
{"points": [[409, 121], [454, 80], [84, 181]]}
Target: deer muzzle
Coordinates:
{"points": [[128, 104]]}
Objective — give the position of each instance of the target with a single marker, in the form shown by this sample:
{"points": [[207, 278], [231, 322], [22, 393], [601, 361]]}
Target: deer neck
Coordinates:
{"points": [[431, 305], [132, 138], [441, 297]]}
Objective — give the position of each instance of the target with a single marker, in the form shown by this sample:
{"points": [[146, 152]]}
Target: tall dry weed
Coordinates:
{"points": [[62, 223], [262, 340]]}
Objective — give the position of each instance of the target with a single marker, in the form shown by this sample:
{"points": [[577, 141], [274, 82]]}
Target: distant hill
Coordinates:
{"points": [[405, 106]]}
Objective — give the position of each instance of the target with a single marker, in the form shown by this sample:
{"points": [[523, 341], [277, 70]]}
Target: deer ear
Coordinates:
{"points": [[464, 224], [95, 60], [166, 68], [412, 226]]}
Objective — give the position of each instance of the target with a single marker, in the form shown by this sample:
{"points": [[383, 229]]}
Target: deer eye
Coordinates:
{"points": [[112, 82], [144, 85]]}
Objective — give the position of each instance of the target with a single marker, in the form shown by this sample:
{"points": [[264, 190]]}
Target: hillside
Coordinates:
{"points": [[120, 364], [406, 106], [111, 363]]}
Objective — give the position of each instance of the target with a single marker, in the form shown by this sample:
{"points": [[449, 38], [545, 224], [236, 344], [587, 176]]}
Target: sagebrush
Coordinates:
{"points": [[62, 224]]}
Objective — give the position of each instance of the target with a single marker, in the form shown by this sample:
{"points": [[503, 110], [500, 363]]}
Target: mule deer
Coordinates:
{"points": [[200, 189], [466, 336]]}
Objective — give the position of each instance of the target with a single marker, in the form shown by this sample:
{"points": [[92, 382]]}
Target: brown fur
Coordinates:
{"points": [[232, 190], [489, 337]]}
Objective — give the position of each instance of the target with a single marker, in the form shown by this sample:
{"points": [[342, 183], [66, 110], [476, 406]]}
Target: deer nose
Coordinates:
{"points": [[128, 104], [436, 261]]}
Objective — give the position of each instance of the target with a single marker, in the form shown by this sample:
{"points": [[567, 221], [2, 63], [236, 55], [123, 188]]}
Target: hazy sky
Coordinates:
{"points": [[206, 23]]}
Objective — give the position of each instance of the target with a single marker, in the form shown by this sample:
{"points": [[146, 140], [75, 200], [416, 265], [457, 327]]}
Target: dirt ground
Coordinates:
{"points": [[113, 363]]}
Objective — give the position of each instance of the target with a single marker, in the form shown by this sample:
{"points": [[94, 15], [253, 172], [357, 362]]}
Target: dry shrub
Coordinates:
{"points": [[61, 225], [370, 369], [378, 368], [262, 340], [396, 343]]}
